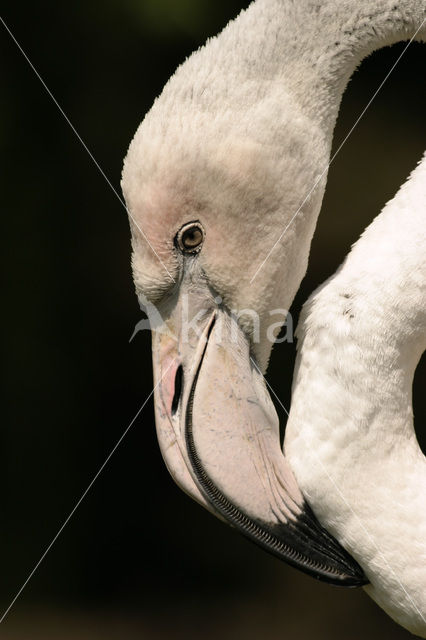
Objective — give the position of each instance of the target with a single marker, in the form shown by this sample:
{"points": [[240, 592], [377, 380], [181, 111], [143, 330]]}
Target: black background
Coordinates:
{"points": [[139, 559]]}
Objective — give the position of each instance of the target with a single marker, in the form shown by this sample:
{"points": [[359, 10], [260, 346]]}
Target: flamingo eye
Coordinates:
{"points": [[190, 237]]}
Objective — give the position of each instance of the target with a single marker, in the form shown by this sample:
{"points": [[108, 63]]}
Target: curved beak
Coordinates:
{"points": [[219, 436]]}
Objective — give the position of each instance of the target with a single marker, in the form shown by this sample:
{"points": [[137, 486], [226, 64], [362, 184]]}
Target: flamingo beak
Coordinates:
{"points": [[219, 436]]}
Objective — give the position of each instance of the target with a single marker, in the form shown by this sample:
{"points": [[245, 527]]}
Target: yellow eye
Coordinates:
{"points": [[190, 237]]}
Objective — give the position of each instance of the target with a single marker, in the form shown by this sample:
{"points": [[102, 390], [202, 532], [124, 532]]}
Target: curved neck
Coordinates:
{"points": [[366, 326], [284, 67], [349, 437], [317, 44]]}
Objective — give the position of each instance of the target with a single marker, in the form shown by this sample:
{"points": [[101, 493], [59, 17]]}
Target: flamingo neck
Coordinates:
{"points": [[350, 437], [286, 64], [315, 46]]}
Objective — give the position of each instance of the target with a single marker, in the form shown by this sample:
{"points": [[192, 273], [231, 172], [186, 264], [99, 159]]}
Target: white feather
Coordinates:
{"points": [[350, 437]]}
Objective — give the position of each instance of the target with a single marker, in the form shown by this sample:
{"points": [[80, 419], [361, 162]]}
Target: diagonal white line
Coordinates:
{"points": [[318, 180], [339, 491], [80, 500], [84, 145]]}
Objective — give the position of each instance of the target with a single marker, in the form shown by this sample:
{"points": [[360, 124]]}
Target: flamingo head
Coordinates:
{"points": [[221, 228]]}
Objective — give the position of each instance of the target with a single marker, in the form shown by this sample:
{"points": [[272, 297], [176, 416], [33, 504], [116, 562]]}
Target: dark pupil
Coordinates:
{"points": [[192, 238]]}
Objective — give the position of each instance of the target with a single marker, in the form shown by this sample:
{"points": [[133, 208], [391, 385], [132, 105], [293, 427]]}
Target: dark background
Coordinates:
{"points": [[139, 559]]}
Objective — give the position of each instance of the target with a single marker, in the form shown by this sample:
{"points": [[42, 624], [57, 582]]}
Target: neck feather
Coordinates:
{"points": [[366, 325], [350, 438], [315, 45]]}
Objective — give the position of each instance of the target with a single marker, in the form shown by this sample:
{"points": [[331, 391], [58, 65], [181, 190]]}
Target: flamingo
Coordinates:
{"points": [[361, 335], [223, 182]]}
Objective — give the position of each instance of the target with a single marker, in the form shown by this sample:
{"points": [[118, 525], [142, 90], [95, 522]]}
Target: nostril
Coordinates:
{"points": [[178, 389]]}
